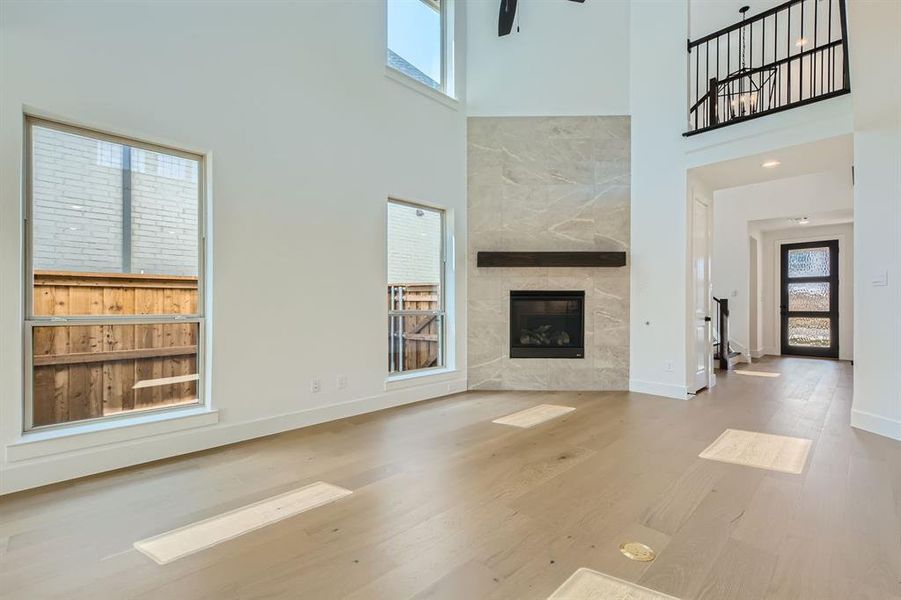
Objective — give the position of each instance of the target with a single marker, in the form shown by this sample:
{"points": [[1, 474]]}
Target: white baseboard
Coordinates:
{"points": [[26, 474], [877, 424], [667, 390], [759, 353], [740, 359]]}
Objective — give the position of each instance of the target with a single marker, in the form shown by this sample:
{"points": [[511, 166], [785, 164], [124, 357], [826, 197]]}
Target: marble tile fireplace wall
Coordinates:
{"points": [[548, 184]]}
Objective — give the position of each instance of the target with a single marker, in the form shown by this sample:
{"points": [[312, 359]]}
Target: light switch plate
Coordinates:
{"points": [[881, 279]]}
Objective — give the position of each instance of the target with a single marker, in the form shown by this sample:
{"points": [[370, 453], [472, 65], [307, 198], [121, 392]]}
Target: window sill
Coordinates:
{"points": [[417, 86], [36, 444], [414, 378]]}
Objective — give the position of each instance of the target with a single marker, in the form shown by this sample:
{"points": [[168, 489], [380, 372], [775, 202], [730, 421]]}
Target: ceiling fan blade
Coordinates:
{"points": [[506, 16]]}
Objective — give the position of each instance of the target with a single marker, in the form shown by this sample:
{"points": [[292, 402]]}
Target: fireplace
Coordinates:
{"points": [[547, 324]]}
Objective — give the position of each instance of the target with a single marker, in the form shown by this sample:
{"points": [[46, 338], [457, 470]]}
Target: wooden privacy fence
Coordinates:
{"points": [[413, 340], [87, 371]]}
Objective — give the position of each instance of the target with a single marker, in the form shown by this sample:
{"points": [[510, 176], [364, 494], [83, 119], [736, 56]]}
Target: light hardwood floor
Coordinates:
{"points": [[447, 504]]}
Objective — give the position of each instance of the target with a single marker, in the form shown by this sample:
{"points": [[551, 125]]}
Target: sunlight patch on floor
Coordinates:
{"points": [[760, 450], [195, 537], [757, 373], [586, 584], [535, 415]]}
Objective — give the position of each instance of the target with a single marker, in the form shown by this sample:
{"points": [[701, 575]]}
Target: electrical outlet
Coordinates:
{"points": [[669, 366], [315, 385], [342, 382]]}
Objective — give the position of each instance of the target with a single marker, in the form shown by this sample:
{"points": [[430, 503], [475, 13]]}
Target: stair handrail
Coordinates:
{"points": [[723, 324]]}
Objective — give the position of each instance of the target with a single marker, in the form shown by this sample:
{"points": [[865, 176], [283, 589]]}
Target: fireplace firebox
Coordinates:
{"points": [[547, 324]]}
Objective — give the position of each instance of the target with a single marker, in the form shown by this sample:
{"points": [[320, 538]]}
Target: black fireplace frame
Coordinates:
{"points": [[546, 351]]}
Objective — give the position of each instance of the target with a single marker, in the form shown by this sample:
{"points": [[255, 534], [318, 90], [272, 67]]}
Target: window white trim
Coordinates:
{"points": [[30, 320], [446, 90], [81, 435], [407, 379], [418, 86], [445, 327]]}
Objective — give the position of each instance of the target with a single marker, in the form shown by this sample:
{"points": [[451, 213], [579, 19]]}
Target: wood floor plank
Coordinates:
{"points": [[802, 569], [765, 522], [453, 506], [683, 497], [740, 571]]}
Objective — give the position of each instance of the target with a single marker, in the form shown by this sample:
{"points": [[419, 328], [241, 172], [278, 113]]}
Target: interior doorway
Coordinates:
{"points": [[809, 299]]}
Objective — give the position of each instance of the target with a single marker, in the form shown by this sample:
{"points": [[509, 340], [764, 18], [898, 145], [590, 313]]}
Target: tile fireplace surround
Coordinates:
{"points": [[548, 184]]}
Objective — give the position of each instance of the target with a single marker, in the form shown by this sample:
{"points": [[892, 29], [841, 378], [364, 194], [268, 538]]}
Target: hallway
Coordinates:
{"points": [[447, 504]]}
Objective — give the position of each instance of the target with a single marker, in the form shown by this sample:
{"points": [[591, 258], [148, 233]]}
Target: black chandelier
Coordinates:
{"points": [[740, 91]]}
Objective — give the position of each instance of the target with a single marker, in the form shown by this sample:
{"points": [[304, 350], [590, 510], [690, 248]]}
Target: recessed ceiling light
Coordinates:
{"points": [[801, 42], [770, 164]]}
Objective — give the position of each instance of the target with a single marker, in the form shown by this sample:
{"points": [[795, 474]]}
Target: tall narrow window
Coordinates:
{"points": [[114, 275], [417, 34], [416, 313]]}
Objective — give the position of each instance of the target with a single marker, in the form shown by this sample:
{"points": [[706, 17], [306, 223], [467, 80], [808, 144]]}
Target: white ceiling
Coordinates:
{"points": [[835, 217], [708, 16], [831, 154]]}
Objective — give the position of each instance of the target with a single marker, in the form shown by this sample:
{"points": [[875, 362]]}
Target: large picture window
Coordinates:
{"points": [[416, 265], [114, 247], [417, 41]]}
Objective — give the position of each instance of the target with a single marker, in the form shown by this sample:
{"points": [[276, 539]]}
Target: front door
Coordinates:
{"points": [[809, 302]]}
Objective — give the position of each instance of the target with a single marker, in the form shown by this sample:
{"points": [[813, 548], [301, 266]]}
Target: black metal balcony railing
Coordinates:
{"points": [[788, 56]]}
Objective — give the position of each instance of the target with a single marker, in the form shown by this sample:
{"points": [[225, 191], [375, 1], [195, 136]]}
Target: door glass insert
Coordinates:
{"points": [[808, 262], [809, 332], [811, 296]]}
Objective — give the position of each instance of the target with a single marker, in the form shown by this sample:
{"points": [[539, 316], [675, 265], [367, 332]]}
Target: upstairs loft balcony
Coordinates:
{"points": [[791, 55]]}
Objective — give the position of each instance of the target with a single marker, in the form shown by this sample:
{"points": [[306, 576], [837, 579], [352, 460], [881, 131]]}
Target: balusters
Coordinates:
{"points": [[775, 77]]}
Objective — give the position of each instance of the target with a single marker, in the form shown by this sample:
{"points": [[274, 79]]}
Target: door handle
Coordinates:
{"points": [[707, 319]]}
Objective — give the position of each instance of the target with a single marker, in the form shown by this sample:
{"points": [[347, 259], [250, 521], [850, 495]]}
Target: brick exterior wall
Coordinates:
{"points": [[414, 245], [164, 215], [78, 207], [77, 203]]}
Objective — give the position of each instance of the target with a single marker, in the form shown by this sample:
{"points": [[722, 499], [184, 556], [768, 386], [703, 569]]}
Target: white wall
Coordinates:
{"points": [[795, 127], [305, 137], [876, 94], [770, 290], [735, 208], [659, 311], [567, 59]]}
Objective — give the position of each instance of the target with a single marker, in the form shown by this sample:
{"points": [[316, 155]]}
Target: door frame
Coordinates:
{"points": [[834, 285]]}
